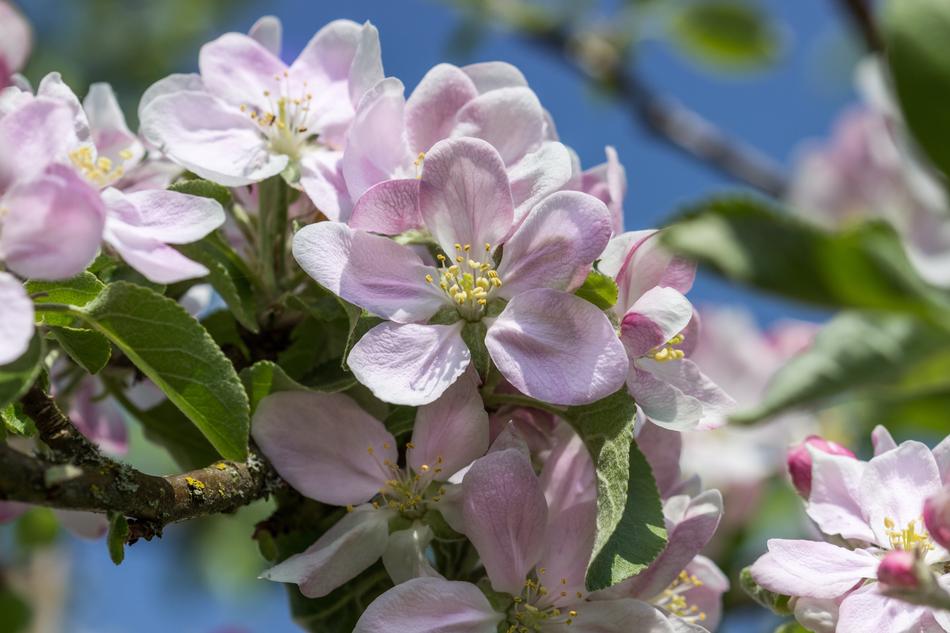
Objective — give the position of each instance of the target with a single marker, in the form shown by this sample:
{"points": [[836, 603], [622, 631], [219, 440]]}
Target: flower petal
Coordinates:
{"points": [[655, 318], [375, 273], [321, 177], [538, 174], [434, 104], [324, 445], [505, 517], [239, 70], [450, 433], [649, 264], [157, 261], [42, 132], [52, 86], [495, 75], [176, 82], [87, 525], [166, 216], [16, 319], [812, 569], [608, 182], [329, 54], [98, 417], [405, 555], [464, 197], [409, 364], [16, 39], [511, 119], [268, 32], [707, 597], [662, 403], [557, 242], [346, 549], [367, 68], [868, 610], [430, 605], [833, 503], [882, 440], [614, 616], [941, 454], [53, 227], [689, 386], [662, 449], [556, 347], [206, 136], [389, 207], [110, 133]]}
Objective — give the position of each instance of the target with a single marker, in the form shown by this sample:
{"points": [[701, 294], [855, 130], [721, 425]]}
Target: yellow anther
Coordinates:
{"points": [[458, 246], [572, 613], [370, 450], [424, 468], [429, 279], [349, 508], [126, 154]]}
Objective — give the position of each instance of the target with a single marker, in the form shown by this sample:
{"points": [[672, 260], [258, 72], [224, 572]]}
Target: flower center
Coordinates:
{"points": [[529, 613], [467, 282], [408, 492], [284, 121], [101, 171], [908, 538], [668, 351], [673, 600]]}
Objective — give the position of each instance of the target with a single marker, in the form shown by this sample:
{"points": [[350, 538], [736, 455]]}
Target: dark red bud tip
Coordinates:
{"points": [[898, 569]]}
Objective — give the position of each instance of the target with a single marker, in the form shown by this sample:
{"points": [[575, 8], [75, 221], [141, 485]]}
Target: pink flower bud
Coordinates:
{"points": [[937, 517], [799, 460], [898, 569]]}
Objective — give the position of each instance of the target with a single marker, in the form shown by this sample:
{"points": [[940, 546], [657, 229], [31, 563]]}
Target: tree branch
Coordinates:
{"points": [[862, 19], [92, 482]]}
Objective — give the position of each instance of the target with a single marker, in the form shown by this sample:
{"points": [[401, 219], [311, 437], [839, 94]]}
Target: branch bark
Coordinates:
{"points": [[862, 19], [77, 476]]}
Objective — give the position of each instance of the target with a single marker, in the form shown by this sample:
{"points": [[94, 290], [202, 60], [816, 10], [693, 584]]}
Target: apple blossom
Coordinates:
{"points": [[16, 40], [800, 460], [546, 342]]}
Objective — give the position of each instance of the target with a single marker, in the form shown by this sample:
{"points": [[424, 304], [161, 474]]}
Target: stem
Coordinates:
{"points": [[272, 208]]}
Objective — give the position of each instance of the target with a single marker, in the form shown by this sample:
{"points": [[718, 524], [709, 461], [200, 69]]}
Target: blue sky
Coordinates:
{"points": [[155, 590]]}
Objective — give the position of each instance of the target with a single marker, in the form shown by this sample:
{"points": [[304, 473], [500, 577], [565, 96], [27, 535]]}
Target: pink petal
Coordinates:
{"points": [[894, 486], [558, 241], [812, 569], [867, 610], [433, 105], [655, 318], [505, 517], [619, 248], [390, 208], [166, 216], [16, 39], [450, 433], [405, 555], [430, 605], [661, 402], [87, 525], [52, 86], [53, 227], [689, 385], [42, 132], [367, 68], [941, 454], [557, 348], [511, 119], [615, 616], [157, 261], [210, 138], [324, 445], [608, 182], [237, 69], [110, 133], [882, 440], [98, 418], [329, 54], [494, 75], [708, 596], [376, 148], [16, 319], [538, 174], [833, 503], [648, 264], [409, 364], [375, 273], [340, 554], [662, 448], [321, 177], [176, 82], [268, 32], [464, 196]]}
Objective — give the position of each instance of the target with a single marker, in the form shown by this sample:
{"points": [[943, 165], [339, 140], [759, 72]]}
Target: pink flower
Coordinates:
{"points": [[657, 328], [390, 136], [330, 450], [548, 343], [248, 115], [16, 40], [534, 537], [800, 462], [875, 507], [937, 515], [98, 417], [608, 183]]}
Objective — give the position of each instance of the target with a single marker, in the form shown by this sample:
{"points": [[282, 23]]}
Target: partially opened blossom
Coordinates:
{"points": [[548, 343], [16, 40], [390, 136], [332, 451], [658, 328], [534, 537], [875, 507], [248, 116]]}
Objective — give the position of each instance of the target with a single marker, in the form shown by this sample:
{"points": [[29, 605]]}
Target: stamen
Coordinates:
{"points": [[467, 282]]}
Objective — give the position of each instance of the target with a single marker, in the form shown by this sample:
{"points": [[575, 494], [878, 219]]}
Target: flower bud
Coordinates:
{"points": [[898, 570], [937, 517], [799, 460]]}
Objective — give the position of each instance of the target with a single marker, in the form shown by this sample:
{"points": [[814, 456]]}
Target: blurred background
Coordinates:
{"points": [[770, 75]]}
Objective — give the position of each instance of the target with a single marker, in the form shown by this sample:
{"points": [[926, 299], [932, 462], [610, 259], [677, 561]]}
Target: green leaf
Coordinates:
{"points": [[734, 34], [168, 427], [748, 240], [474, 336], [88, 348], [599, 289], [37, 527], [772, 601], [228, 274], [77, 291], [630, 528], [118, 534], [203, 189], [17, 377], [400, 420], [916, 34], [852, 351], [361, 322], [15, 613], [15, 421], [264, 378], [180, 357]]}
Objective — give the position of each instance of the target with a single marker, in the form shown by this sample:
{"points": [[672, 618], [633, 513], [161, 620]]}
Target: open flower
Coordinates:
{"points": [[390, 136], [876, 507], [548, 343], [248, 115], [16, 40], [534, 537], [330, 450], [658, 329]]}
